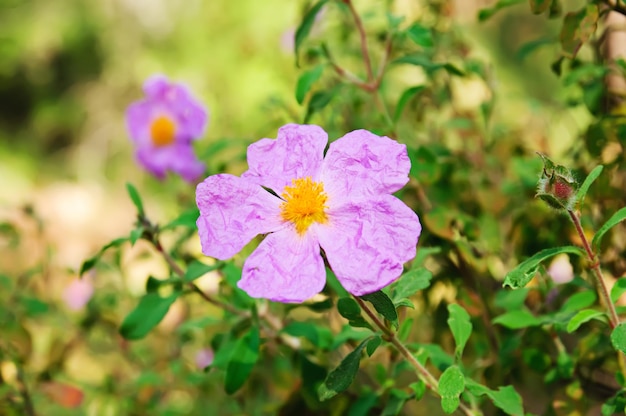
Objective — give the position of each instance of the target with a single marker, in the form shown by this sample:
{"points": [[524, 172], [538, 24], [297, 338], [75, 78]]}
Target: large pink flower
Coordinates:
{"points": [[163, 126], [341, 203]]}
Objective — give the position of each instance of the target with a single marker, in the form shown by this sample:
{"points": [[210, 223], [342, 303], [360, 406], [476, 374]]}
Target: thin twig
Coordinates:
{"points": [[422, 371], [363, 36]]}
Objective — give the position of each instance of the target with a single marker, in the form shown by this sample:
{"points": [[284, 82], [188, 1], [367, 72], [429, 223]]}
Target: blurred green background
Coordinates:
{"points": [[69, 69]]}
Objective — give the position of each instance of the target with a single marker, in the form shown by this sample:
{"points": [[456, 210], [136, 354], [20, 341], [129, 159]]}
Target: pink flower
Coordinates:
{"points": [[77, 294], [561, 270], [204, 358], [163, 126], [341, 203]]}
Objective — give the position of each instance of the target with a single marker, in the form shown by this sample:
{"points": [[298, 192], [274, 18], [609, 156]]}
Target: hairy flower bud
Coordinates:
{"points": [[557, 186]]}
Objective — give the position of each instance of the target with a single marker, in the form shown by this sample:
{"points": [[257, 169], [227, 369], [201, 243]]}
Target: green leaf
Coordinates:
{"points": [[531, 46], [420, 35], [618, 217], [134, 196], [411, 282], [318, 336], [306, 25], [486, 13], [511, 299], [506, 398], [618, 337], [187, 219], [581, 317], [518, 319], [525, 271], [197, 269], [405, 329], [341, 377], [461, 327], [318, 101], [395, 402], [578, 301], [618, 289], [373, 344], [539, 6], [451, 385], [578, 27], [584, 188], [424, 61], [419, 388], [404, 99], [244, 356], [383, 306], [135, 235], [91, 262], [146, 315], [350, 309], [306, 81]]}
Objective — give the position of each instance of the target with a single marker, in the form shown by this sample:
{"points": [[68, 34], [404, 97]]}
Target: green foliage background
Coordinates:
{"points": [[472, 100]]}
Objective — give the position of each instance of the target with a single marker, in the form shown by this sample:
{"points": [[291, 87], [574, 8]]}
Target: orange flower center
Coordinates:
{"points": [[162, 131], [305, 202]]}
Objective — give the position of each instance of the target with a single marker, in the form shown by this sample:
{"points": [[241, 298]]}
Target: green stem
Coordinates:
{"points": [[422, 371], [597, 272]]}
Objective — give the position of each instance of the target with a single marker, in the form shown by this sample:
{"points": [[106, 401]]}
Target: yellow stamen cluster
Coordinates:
{"points": [[162, 131], [305, 202]]}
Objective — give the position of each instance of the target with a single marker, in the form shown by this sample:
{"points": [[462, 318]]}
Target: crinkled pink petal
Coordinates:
{"points": [[232, 212], [296, 153], [285, 267], [362, 164], [366, 244]]}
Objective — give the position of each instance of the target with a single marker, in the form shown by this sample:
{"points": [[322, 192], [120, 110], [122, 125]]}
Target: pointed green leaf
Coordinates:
{"points": [[618, 217], [146, 315], [525, 271], [420, 35], [578, 301], [618, 289], [318, 101], [187, 219], [135, 235], [383, 306], [419, 388], [307, 24], [134, 196], [197, 269], [373, 344], [244, 356], [518, 319], [341, 377], [451, 385], [581, 317], [618, 337], [411, 282], [306, 81], [506, 398], [91, 262], [404, 99], [350, 309], [584, 188], [461, 327]]}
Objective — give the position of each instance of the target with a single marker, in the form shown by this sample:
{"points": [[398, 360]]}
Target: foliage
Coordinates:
{"points": [[476, 324]]}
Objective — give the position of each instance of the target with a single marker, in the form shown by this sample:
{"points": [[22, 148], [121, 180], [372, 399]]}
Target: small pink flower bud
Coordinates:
{"points": [[557, 186], [77, 293], [204, 358], [561, 270]]}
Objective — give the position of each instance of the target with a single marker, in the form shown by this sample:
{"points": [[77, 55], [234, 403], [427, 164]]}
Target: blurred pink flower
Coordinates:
{"points": [[204, 358], [163, 126], [561, 270], [342, 203], [77, 293]]}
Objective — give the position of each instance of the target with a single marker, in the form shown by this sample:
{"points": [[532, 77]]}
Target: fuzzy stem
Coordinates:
{"points": [[597, 272], [422, 371]]}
